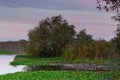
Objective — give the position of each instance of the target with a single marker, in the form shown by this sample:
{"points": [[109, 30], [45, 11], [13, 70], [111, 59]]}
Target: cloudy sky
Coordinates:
{"points": [[17, 17]]}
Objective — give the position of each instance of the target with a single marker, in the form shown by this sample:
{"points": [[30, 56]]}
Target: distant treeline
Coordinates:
{"points": [[13, 46]]}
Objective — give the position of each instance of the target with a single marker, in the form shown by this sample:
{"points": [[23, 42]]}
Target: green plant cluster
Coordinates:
{"points": [[59, 75], [30, 61], [4, 52]]}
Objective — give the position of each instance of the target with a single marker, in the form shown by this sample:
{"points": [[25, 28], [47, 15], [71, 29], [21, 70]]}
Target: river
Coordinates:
{"points": [[5, 68]]}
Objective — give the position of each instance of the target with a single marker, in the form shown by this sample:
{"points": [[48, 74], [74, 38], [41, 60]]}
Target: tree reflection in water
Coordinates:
{"points": [[38, 68]]}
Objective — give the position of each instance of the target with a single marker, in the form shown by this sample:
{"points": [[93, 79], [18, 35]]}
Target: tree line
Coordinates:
{"points": [[55, 37]]}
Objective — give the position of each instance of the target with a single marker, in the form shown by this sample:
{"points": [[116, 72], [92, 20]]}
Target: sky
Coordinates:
{"points": [[17, 17]]}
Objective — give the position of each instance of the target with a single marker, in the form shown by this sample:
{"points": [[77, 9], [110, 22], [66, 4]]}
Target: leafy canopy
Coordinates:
{"points": [[50, 37]]}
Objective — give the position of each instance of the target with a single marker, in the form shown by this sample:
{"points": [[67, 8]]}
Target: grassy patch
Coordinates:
{"points": [[5, 52], [59, 75], [30, 61]]}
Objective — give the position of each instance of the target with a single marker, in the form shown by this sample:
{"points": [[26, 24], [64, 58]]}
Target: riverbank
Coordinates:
{"points": [[61, 64], [57, 74], [30, 61]]}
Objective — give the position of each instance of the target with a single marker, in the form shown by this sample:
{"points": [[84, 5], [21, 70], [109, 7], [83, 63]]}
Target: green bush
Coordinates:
{"points": [[50, 37]]}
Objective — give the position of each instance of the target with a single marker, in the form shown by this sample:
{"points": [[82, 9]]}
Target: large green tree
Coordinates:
{"points": [[50, 37]]}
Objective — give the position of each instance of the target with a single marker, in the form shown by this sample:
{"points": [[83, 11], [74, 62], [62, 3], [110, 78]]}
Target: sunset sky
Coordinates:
{"points": [[17, 17]]}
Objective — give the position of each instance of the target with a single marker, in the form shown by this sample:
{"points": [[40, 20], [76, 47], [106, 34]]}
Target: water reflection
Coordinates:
{"points": [[38, 68], [5, 67], [68, 67]]}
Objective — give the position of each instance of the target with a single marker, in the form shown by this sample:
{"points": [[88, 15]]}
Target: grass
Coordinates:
{"points": [[5, 52], [60, 75], [92, 61], [29, 61], [57, 75]]}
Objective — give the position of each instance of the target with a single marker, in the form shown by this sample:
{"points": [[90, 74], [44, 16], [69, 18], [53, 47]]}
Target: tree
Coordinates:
{"points": [[109, 5], [116, 40], [112, 5], [103, 49], [50, 37], [81, 48], [85, 46], [84, 43]]}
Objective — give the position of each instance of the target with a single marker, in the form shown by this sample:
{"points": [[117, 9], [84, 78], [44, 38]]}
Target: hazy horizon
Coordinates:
{"points": [[18, 17]]}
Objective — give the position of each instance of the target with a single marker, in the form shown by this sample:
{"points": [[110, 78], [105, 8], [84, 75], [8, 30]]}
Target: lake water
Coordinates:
{"points": [[5, 67]]}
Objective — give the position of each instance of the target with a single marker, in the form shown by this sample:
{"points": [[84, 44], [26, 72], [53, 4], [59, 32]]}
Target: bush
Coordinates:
{"points": [[50, 37]]}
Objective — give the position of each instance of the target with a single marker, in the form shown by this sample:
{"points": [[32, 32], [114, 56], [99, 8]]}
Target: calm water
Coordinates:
{"points": [[5, 67]]}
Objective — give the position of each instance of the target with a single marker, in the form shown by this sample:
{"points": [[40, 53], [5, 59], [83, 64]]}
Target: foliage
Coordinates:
{"points": [[113, 5], [84, 43], [30, 61], [115, 65], [4, 52], [50, 37], [109, 5], [92, 61], [86, 47], [116, 40], [22, 56], [104, 49], [60, 75], [81, 47]]}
